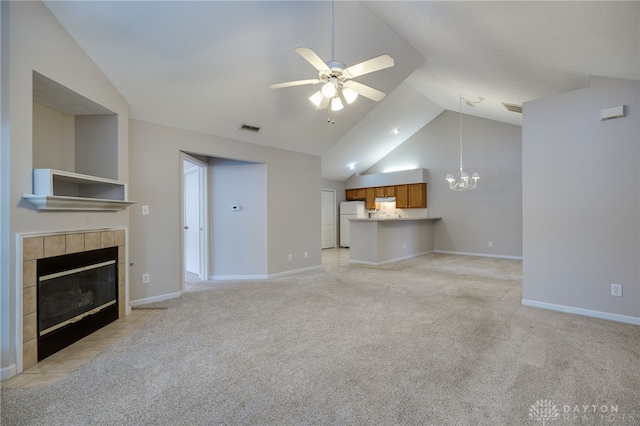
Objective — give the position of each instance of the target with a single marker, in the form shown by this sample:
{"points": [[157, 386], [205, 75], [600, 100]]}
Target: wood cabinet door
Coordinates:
{"points": [[370, 198], [417, 195], [402, 196], [350, 194], [389, 191], [379, 191], [361, 194]]}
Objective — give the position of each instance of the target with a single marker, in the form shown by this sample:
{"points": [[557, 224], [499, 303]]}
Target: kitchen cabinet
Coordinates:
{"points": [[402, 196], [411, 196], [355, 194], [417, 195], [385, 191], [370, 198]]}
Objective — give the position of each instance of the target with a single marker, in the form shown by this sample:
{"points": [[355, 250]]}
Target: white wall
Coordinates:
{"points": [[37, 42], [581, 183], [470, 219], [291, 188], [238, 238]]}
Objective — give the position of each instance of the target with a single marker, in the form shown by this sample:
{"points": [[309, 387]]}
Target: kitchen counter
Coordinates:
{"points": [[377, 241], [391, 219]]}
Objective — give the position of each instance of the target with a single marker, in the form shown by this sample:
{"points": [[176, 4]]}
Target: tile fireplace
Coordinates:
{"points": [[72, 280]]}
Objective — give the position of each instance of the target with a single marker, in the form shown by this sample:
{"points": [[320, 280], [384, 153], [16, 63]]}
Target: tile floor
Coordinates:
{"points": [[335, 257], [57, 365], [72, 357]]}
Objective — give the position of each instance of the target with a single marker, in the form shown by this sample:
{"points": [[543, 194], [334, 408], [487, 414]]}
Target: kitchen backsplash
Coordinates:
{"points": [[388, 209]]}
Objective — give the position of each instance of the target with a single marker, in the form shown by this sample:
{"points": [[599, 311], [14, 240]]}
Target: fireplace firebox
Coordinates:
{"points": [[77, 295]]}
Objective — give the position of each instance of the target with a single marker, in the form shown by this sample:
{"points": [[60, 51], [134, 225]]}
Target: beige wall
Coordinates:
{"points": [[287, 196], [581, 186], [470, 219], [53, 53]]}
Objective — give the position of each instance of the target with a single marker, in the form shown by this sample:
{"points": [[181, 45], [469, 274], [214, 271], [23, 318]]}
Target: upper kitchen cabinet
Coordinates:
{"points": [[411, 196], [385, 191], [359, 194], [370, 198]]}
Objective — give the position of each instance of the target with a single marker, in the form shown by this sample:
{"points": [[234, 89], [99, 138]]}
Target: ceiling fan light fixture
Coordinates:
{"points": [[329, 89], [336, 104], [316, 98], [350, 95]]}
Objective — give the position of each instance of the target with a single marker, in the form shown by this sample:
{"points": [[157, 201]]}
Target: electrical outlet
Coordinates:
{"points": [[490, 244], [306, 254], [290, 256], [145, 278], [616, 290], [145, 210]]}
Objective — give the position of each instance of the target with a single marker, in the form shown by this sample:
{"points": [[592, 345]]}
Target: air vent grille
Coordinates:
{"points": [[249, 128], [513, 107]]}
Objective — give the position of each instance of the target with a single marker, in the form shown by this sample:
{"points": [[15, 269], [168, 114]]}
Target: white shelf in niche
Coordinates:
{"points": [[60, 190]]}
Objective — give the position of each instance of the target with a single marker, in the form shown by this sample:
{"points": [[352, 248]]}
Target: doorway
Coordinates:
{"points": [[194, 214], [328, 216]]}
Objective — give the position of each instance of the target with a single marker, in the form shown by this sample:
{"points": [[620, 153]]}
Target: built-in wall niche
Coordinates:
{"points": [[75, 151], [72, 133]]}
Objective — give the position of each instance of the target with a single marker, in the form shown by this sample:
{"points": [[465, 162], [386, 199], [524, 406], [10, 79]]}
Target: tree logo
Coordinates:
{"points": [[544, 411]]}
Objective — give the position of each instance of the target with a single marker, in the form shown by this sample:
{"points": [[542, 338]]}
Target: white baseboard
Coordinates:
{"points": [[295, 271], [263, 277], [496, 256], [8, 372], [237, 277], [155, 299], [581, 311], [397, 259]]}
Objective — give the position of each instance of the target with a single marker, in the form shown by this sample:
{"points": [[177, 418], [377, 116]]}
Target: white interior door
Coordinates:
{"points": [[328, 218], [194, 215]]}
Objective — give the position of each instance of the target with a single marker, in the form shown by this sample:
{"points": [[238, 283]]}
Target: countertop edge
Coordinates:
{"points": [[391, 219]]}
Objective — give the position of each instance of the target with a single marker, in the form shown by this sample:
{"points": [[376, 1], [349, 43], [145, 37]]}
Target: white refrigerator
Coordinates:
{"points": [[348, 210]]}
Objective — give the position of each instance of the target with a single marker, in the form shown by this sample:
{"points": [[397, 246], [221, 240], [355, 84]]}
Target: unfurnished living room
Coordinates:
{"points": [[320, 212]]}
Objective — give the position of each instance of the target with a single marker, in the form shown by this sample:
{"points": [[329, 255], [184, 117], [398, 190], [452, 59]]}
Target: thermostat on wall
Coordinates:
{"points": [[235, 207]]}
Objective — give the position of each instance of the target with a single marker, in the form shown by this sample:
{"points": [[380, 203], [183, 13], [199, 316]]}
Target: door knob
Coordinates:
{"points": [[186, 227]]}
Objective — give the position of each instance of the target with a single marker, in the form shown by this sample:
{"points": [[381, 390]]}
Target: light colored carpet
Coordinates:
{"points": [[437, 340]]}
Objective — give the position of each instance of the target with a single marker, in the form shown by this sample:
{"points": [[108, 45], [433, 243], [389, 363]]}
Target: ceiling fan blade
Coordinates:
{"points": [[375, 64], [324, 103], [312, 58], [294, 83], [366, 91]]}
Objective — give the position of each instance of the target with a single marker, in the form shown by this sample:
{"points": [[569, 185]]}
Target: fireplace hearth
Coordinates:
{"points": [[77, 294]]}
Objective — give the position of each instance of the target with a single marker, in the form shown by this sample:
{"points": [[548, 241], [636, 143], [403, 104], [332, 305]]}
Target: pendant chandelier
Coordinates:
{"points": [[462, 181]]}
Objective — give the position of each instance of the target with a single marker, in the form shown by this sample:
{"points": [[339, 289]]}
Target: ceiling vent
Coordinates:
{"points": [[249, 128], [513, 107]]}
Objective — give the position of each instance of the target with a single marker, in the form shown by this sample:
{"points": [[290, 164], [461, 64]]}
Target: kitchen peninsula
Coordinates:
{"points": [[377, 241]]}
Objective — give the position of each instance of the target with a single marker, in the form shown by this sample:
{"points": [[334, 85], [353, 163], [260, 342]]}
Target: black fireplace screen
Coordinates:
{"points": [[68, 296]]}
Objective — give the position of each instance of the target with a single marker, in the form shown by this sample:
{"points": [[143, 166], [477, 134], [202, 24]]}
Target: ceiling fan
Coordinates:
{"points": [[337, 78]]}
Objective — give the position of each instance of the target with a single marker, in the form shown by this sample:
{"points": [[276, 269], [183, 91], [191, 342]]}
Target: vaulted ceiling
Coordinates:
{"points": [[206, 65]]}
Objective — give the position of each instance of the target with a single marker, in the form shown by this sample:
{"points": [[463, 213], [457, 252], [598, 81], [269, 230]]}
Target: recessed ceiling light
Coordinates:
{"points": [[396, 130], [352, 166]]}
